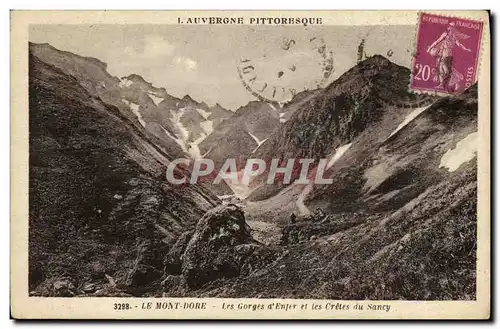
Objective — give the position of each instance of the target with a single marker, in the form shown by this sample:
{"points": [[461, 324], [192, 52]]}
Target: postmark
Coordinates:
{"points": [[303, 65], [447, 54]]}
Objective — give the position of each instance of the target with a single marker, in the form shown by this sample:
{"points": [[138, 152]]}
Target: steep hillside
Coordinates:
{"points": [[178, 125], [239, 136], [297, 102], [101, 213], [249, 128], [399, 222], [426, 148], [373, 95], [424, 251], [218, 114]]}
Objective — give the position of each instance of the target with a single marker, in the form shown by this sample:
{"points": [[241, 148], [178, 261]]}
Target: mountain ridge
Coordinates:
{"points": [[99, 200], [148, 107], [337, 114]]}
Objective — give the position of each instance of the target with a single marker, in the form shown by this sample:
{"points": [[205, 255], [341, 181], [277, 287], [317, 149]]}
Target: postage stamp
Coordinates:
{"points": [[250, 165], [447, 53]]}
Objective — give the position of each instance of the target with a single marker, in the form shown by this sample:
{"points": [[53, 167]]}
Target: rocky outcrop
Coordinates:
{"points": [[221, 247], [211, 253], [56, 287], [173, 259], [316, 225], [240, 135]]}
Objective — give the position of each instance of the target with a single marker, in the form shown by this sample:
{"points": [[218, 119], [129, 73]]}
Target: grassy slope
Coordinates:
{"points": [[418, 243]]}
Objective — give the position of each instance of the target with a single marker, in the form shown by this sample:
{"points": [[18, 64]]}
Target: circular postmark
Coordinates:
{"points": [[295, 66]]}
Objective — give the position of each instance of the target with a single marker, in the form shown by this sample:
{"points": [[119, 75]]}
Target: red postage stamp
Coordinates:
{"points": [[447, 54]]}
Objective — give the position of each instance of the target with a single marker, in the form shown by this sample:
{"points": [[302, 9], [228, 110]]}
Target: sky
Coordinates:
{"points": [[202, 60]]}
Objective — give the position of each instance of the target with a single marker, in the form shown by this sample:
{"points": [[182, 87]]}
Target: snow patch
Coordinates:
{"points": [[409, 118], [168, 133], [194, 150], [176, 120], [103, 84], [179, 141], [125, 83], [338, 154], [203, 113], [283, 120], [274, 107], [241, 190], [300, 200], [257, 140], [207, 126], [259, 144], [284, 102], [226, 196], [191, 148], [376, 175], [210, 150], [135, 109], [464, 151], [157, 100]]}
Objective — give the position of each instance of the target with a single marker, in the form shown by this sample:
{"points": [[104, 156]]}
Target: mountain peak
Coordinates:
{"points": [[376, 59], [48, 48], [375, 74], [334, 116], [217, 106], [139, 79], [377, 64], [188, 98], [136, 78]]}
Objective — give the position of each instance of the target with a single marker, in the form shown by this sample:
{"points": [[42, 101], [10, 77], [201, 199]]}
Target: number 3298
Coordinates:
{"points": [[121, 306]]}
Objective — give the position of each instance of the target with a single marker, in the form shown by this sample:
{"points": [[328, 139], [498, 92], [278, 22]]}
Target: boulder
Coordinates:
{"points": [[110, 291], [172, 260], [216, 248], [146, 269], [89, 287], [55, 287], [173, 283]]}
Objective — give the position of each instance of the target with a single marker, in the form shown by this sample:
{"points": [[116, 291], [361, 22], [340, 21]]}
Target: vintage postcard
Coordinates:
{"points": [[250, 165]]}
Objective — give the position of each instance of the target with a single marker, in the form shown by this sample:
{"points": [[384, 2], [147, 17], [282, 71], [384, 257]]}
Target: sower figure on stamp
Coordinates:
{"points": [[443, 49]]}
